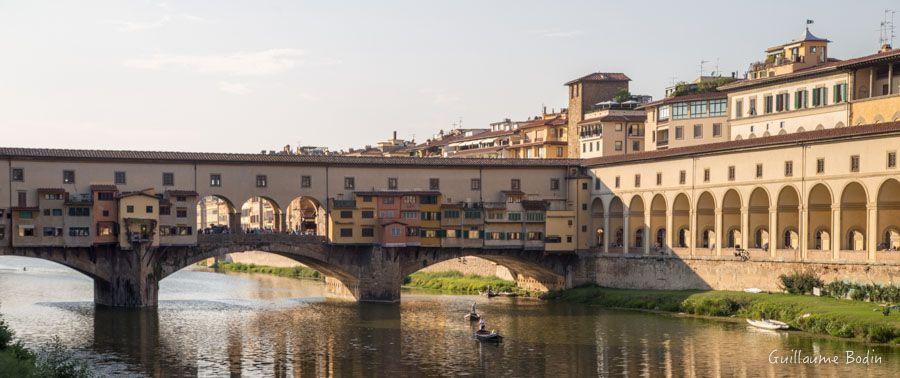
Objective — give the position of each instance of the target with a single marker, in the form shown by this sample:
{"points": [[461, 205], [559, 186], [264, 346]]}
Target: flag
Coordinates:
{"points": [[809, 22]]}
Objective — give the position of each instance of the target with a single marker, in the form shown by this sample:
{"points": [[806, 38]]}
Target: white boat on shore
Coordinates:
{"points": [[768, 324]]}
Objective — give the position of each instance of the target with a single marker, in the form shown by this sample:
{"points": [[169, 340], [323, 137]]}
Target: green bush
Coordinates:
{"points": [[58, 361], [290, 272], [870, 292], [800, 282], [6, 335], [456, 282]]}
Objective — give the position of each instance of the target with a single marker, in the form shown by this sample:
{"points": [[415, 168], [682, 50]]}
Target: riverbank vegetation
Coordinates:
{"points": [[52, 361], [456, 282], [822, 315], [290, 272]]}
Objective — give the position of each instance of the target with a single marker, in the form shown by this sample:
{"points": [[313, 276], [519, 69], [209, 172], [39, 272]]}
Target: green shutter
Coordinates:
{"points": [[835, 94], [797, 97]]}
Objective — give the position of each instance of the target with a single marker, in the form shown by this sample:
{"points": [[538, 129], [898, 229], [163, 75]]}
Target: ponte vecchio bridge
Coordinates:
{"points": [[128, 219]]}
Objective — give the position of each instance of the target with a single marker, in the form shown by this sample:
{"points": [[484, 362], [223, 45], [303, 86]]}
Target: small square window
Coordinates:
{"points": [[18, 174], [68, 177], [305, 181], [119, 178], [618, 181], [658, 178], [554, 184], [149, 209], [168, 179], [717, 129], [515, 184], [759, 171], [731, 173], [682, 177], [475, 184], [892, 159], [820, 165], [349, 183], [262, 181], [434, 184], [854, 163], [392, 183], [637, 181], [788, 168], [215, 180], [706, 175]]}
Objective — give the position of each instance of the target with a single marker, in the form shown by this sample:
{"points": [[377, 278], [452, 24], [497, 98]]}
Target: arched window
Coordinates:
{"points": [[761, 239], [682, 238], [620, 239], [639, 238], [600, 237], [661, 236], [856, 241]]}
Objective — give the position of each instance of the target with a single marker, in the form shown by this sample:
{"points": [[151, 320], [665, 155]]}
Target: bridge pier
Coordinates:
{"points": [[377, 277], [131, 280]]}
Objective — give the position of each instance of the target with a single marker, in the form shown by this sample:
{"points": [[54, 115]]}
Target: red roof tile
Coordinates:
{"points": [[601, 76]]}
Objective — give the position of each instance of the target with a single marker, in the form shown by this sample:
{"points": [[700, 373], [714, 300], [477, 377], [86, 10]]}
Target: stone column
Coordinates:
{"points": [[835, 231], [649, 236], [804, 233], [606, 232], [693, 240], [773, 232], [378, 276], [234, 222], [670, 229], [871, 231], [626, 228], [745, 227], [719, 236]]}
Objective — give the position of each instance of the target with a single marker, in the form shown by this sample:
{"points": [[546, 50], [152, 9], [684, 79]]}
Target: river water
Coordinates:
{"points": [[212, 324]]}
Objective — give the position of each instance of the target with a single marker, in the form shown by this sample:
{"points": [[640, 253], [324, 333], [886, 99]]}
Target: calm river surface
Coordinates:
{"points": [[211, 324]]}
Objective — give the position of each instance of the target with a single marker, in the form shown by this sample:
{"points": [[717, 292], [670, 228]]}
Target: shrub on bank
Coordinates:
{"points": [[800, 282], [456, 282], [822, 315], [290, 272], [53, 361]]}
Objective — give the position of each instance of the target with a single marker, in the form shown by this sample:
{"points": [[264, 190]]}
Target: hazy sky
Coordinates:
{"points": [[242, 76]]}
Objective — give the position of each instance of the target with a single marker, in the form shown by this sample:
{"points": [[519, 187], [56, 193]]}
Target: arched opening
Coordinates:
{"points": [[853, 217], [597, 216], [801, 129], [216, 215], [819, 217], [731, 219], [758, 221], [636, 225], [681, 220], [788, 218], [616, 222], [305, 216], [261, 215], [526, 275], [888, 208], [706, 221], [658, 224]]}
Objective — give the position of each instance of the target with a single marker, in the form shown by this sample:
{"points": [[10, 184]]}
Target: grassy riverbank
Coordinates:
{"points": [[291, 272], [456, 282], [821, 315]]}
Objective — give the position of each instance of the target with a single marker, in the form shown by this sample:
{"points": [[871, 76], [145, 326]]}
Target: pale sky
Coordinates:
{"points": [[242, 76]]}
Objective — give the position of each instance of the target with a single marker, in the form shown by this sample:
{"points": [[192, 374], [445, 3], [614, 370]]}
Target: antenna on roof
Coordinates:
{"points": [[702, 62], [886, 29]]}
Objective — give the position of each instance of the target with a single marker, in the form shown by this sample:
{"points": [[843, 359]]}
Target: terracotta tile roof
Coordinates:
{"points": [[869, 59], [103, 187], [715, 95], [616, 118], [486, 135], [601, 76], [232, 158], [447, 139], [763, 142], [555, 121], [185, 193]]}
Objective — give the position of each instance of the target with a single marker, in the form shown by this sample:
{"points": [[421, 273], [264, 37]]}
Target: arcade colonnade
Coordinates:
{"points": [[835, 220]]}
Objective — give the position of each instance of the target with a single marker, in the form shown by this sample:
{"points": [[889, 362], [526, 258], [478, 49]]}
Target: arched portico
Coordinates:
{"points": [[819, 219], [598, 227], [732, 236], [681, 223], [888, 216], [758, 220], [853, 217], [788, 219], [637, 226], [616, 225], [216, 213], [706, 224], [658, 227]]}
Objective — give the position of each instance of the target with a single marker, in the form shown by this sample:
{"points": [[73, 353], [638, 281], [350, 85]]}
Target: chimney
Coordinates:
{"points": [[395, 134]]}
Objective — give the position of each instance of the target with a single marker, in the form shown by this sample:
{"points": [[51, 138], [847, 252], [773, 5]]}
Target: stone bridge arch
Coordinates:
{"points": [[533, 270]]}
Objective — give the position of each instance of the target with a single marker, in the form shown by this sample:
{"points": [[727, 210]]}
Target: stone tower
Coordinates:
{"points": [[586, 91]]}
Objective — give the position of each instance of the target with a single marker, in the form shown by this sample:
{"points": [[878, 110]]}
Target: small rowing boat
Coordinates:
{"points": [[768, 324], [488, 336]]}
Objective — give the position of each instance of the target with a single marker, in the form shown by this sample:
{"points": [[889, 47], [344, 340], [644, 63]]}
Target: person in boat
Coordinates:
{"points": [[473, 309], [482, 326]]}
